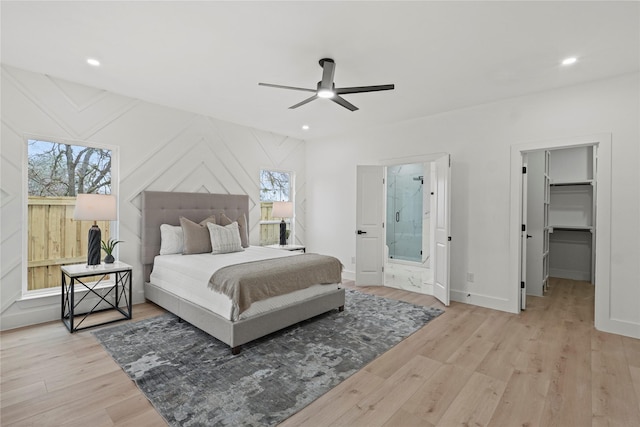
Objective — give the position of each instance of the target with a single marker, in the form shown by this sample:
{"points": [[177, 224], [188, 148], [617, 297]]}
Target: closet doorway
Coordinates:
{"points": [[567, 228], [560, 216]]}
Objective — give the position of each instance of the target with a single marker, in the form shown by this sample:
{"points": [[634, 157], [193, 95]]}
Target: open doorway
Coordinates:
{"points": [[402, 218], [560, 195], [600, 217]]}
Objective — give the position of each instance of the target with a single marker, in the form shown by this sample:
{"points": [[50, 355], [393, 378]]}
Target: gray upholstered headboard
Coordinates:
{"points": [[160, 207]]}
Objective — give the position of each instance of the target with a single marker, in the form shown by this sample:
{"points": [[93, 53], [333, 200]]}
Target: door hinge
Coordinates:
{"points": [[383, 225], [524, 169], [524, 227], [383, 269], [521, 285]]}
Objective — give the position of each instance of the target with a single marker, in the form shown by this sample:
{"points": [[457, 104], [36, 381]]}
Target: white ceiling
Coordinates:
{"points": [[208, 56]]}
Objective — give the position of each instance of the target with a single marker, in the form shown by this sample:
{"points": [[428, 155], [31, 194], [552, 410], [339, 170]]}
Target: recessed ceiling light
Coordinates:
{"points": [[305, 127], [569, 61], [93, 62]]}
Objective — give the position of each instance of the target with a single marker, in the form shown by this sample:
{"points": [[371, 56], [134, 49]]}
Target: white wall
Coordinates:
{"points": [[479, 140], [160, 149]]}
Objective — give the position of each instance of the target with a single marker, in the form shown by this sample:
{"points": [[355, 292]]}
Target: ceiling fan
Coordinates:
{"points": [[327, 89]]}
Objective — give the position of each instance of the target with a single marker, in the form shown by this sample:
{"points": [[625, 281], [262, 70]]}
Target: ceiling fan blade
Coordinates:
{"points": [[328, 70], [359, 89], [304, 102], [346, 104], [287, 87]]}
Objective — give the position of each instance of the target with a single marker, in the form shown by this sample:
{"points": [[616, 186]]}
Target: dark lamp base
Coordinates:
{"points": [[93, 247], [283, 233]]}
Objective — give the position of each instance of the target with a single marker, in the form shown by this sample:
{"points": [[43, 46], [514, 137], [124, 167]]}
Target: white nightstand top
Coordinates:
{"points": [[74, 270], [287, 247]]}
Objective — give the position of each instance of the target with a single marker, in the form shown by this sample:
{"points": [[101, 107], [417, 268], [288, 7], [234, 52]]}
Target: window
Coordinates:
{"points": [[57, 172], [275, 186]]}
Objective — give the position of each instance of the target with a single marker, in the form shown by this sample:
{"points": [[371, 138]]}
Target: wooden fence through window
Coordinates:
{"points": [[55, 239], [270, 226]]}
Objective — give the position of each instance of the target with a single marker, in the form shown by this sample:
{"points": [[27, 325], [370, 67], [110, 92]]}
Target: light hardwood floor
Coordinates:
{"points": [[470, 366]]}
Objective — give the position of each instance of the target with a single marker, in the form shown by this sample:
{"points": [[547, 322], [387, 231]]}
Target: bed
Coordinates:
{"points": [[189, 302]]}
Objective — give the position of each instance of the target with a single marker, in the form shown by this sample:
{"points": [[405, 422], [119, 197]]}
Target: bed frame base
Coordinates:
{"points": [[234, 334]]}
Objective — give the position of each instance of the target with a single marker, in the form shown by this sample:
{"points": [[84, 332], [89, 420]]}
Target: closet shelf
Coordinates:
{"points": [[571, 228], [558, 183]]}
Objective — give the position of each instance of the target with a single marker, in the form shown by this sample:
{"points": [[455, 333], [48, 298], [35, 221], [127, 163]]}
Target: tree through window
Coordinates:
{"points": [[275, 186], [67, 170]]}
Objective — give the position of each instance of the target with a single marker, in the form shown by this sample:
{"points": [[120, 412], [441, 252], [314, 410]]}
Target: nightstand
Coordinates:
{"points": [[288, 247], [114, 293]]}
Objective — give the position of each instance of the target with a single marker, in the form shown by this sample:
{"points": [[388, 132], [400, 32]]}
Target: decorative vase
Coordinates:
{"points": [[109, 259]]}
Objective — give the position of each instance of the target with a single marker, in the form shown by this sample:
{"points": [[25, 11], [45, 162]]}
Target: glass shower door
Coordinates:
{"points": [[405, 211]]}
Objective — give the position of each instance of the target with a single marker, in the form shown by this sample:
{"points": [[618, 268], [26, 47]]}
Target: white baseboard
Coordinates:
{"points": [[29, 318], [348, 275], [482, 300], [570, 274], [464, 297], [30, 312], [619, 327]]}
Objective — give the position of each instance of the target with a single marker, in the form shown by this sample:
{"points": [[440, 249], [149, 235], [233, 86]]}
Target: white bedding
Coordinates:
{"points": [[187, 276]]}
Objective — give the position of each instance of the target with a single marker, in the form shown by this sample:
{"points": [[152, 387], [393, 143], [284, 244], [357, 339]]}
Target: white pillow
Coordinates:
{"points": [[225, 239], [171, 239]]}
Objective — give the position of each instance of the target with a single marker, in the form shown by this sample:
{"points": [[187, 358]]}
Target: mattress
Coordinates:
{"points": [[187, 276]]}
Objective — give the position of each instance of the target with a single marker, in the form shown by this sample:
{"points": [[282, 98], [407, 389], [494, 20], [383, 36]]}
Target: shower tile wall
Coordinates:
{"points": [[426, 217], [412, 278]]}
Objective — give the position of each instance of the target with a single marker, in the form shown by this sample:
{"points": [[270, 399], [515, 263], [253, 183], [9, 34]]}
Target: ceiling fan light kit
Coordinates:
{"points": [[325, 93], [326, 87]]}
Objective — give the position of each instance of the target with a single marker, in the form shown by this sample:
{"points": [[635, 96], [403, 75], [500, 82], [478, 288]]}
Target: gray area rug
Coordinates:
{"points": [[193, 380]]}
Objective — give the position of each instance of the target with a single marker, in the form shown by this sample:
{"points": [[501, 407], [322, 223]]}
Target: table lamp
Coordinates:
{"points": [[95, 207], [282, 210]]}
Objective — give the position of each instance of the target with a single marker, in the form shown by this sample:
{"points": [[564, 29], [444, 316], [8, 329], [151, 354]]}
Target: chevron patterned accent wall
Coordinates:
{"points": [[158, 148]]}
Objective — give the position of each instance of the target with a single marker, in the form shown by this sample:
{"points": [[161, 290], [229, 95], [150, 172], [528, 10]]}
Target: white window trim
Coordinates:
{"points": [[115, 190]]}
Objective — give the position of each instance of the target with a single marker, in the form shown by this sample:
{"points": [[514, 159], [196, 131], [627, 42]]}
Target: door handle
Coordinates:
{"points": [[397, 216], [362, 232], [529, 236]]}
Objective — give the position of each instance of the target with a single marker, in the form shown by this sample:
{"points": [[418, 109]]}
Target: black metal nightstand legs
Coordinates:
{"points": [[119, 293]]}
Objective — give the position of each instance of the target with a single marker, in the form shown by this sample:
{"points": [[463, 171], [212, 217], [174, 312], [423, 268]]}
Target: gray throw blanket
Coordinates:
{"points": [[254, 281]]}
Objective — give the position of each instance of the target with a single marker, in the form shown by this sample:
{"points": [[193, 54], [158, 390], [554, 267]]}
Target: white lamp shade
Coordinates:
{"points": [[282, 210], [95, 207]]}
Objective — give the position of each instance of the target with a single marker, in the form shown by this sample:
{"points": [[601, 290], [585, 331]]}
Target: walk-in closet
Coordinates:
{"points": [[561, 200]]}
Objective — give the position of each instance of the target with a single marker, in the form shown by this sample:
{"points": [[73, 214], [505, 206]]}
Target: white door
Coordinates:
{"points": [[369, 225], [545, 224], [535, 222], [442, 236], [523, 237]]}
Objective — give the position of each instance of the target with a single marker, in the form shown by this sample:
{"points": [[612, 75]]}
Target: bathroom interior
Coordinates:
{"points": [[408, 242]]}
